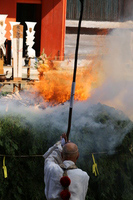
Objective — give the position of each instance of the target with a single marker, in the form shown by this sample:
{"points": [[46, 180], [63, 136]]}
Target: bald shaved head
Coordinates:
{"points": [[70, 152]]}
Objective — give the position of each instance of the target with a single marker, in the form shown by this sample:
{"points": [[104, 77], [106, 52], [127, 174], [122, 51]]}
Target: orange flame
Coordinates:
{"points": [[55, 85]]}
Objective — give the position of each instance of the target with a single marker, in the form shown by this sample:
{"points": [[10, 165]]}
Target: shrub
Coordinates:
{"points": [[25, 174]]}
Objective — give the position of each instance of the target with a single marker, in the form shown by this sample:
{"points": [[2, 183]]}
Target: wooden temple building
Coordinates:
{"points": [[51, 15], [50, 28], [51, 25]]}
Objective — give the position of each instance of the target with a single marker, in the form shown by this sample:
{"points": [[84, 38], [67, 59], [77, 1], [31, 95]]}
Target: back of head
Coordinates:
{"points": [[70, 152]]}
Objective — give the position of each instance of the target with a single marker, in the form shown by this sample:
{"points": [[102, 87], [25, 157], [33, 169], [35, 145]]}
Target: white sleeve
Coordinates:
{"points": [[54, 154], [52, 159]]}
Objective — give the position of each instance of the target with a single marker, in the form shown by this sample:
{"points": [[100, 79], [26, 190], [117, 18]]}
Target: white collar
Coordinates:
{"points": [[68, 163]]}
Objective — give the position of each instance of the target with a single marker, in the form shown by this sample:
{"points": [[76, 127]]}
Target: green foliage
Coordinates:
{"points": [[4, 93], [115, 179], [26, 176]]}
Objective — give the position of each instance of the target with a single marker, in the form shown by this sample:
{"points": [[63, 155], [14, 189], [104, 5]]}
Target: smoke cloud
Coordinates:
{"points": [[98, 124], [95, 127], [116, 91]]}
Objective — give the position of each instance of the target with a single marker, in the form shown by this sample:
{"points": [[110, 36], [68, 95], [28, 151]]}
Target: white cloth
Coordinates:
{"points": [[53, 172], [2, 46]]}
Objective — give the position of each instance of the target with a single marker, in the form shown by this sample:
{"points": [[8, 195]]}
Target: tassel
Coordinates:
{"points": [[94, 167], [4, 168]]}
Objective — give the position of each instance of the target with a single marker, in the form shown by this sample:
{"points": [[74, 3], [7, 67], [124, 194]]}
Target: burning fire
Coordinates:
{"points": [[55, 85]]}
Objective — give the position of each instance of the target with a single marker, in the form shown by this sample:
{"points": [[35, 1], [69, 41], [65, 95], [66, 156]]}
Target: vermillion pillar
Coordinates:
{"points": [[53, 28]]}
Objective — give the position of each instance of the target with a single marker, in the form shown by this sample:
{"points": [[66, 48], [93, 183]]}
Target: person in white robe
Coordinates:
{"points": [[68, 155]]}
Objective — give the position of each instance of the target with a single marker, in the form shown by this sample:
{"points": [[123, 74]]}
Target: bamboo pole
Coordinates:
{"points": [[74, 73]]}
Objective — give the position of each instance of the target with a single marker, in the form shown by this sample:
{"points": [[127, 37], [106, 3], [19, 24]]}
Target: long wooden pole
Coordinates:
{"points": [[74, 73]]}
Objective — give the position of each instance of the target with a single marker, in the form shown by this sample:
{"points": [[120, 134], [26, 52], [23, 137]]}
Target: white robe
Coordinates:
{"points": [[53, 172]]}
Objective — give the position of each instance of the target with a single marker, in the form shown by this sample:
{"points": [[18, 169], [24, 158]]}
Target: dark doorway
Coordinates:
{"points": [[32, 13]]}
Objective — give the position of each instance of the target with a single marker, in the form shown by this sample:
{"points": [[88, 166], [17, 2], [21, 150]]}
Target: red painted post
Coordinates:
{"points": [[53, 28]]}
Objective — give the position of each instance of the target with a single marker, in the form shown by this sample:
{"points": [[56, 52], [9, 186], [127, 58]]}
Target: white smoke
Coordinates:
{"points": [[95, 127], [116, 90]]}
